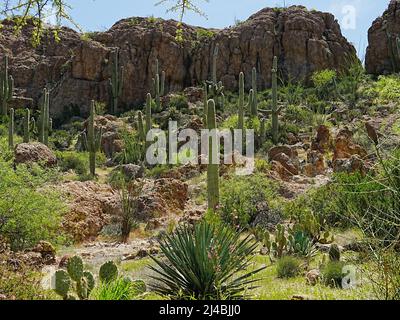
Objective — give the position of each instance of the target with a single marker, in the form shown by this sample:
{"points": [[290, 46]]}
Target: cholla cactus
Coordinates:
{"points": [[6, 87]]}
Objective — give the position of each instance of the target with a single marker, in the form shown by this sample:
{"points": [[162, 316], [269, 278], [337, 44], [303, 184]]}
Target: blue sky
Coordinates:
{"points": [[355, 16]]}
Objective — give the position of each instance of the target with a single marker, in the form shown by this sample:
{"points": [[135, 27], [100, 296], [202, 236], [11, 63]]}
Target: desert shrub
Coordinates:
{"points": [[332, 273], [349, 84], [22, 284], [292, 92], [28, 211], [179, 102], [301, 244], [71, 160], [134, 149], [386, 89], [298, 114], [288, 267], [325, 83], [129, 195], [204, 264], [61, 139], [240, 196], [118, 289]]}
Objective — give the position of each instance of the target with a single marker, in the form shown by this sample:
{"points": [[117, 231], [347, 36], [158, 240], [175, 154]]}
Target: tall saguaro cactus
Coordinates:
{"points": [[91, 140], [27, 125], [116, 82], [275, 110], [11, 130], [254, 100], [140, 127], [214, 65], [6, 87], [212, 168], [149, 124], [158, 85], [241, 102], [44, 119]]}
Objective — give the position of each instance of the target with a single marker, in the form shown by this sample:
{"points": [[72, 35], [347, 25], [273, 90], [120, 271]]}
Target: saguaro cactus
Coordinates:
{"points": [[91, 140], [140, 126], [6, 87], [148, 114], [241, 102], [158, 86], [44, 118], [27, 126], [212, 168], [205, 104], [116, 82], [254, 100], [214, 65], [11, 130]]}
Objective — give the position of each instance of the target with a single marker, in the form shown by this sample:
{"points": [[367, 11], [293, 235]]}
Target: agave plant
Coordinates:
{"points": [[205, 263]]}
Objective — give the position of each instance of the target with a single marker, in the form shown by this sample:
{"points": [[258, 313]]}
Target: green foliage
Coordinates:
{"points": [[288, 267], [72, 160], [332, 274], [179, 102], [28, 214], [204, 34], [204, 263], [386, 89], [118, 289], [6, 87], [325, 83], [240, 196], [334, 252], [134, 149], [116, 81], [301, 245]]}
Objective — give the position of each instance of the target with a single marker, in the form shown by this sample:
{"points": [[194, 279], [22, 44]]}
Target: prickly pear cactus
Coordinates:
{"points": [[108, 271], [75, 268], [62, 283]]}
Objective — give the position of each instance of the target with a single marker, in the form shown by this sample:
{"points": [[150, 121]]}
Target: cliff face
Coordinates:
{"points": [[77, 68], [382, 56]]}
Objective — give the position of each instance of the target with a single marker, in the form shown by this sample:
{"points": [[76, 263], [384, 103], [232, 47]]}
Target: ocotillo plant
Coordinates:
{"points": [[116, 82], [92, 148], [11, 130], [44, 119], [158, 86], [27, 126], [212, 167], [6, 87], [254, 100]]}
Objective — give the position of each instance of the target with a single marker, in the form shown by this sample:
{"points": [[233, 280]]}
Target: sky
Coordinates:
{"points": [[354, 16]]}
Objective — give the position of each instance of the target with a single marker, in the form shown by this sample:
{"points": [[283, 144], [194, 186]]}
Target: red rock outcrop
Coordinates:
{"points": [[382, 54], [77, 68]]}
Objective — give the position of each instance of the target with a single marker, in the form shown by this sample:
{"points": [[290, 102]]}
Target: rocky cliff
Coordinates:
{"points": [[383, 55], [77, 68]]}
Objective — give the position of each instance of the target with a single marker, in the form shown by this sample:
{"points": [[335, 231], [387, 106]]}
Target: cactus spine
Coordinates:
{"points": [[27, 126], [6, 87], [11, 130], [159, 86], [212, 168], [116, 82], [91, 141], [253, 93]]}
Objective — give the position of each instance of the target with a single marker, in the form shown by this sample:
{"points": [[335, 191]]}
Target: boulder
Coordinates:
{"points": [[345, 148], [323, 140], [35, 152]]}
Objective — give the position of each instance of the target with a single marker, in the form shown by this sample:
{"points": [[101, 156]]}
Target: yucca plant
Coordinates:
{"points": [[205, 263]]}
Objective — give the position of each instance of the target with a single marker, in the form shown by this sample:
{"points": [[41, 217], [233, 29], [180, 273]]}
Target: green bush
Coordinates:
{"points": [[288, 267], [325, 83], [179, 102], [72, 160], [119, 289], [206, 263], [386, 89], [29, 212], [332, 274], [240, 196]]}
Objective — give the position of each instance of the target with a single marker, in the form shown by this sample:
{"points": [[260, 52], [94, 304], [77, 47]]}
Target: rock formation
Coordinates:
{"points": [[77, 68], [383, 56]]}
